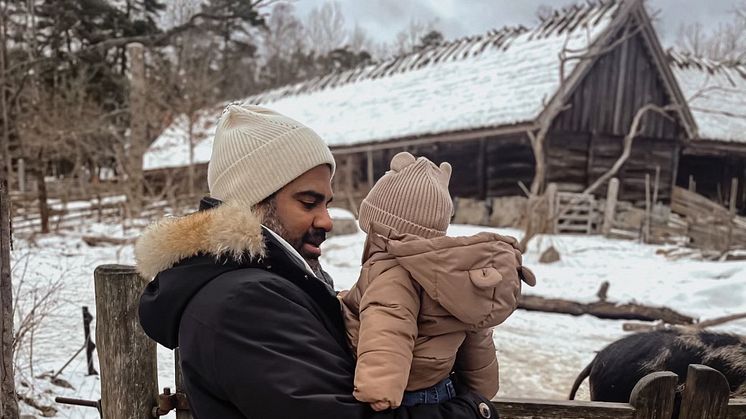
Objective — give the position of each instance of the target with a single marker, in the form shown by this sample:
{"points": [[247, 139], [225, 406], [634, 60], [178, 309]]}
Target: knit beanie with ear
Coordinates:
{"points": [[257, 151], [411, 198]]}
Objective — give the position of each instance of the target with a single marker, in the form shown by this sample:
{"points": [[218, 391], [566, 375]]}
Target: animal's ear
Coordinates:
{"points": [[445, 170], [402, 160]]}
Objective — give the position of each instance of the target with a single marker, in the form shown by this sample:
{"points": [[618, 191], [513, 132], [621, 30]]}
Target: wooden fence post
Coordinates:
{"points": [[706, 394], [127, 357], [653, 396], [610, 209], [552, 209]]}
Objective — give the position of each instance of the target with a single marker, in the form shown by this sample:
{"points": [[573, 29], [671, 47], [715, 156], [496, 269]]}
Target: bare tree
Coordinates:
{"points": [[726, 42], [359, 41], [409, 38], [60, 122], [325, 28]]}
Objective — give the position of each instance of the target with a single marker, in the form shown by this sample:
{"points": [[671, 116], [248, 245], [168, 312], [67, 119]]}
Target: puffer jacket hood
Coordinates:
{"points": [[456, 272], [183, 254]]}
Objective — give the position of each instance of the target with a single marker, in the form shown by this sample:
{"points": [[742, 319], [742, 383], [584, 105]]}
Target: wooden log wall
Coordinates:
{"points": [[646, 155], [482, 168]]}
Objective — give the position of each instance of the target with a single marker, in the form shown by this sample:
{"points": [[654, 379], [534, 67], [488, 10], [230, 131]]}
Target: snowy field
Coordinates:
{"points": [[540, 354]]}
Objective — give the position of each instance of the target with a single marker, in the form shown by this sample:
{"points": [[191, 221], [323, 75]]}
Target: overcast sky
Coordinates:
{"points": [[382, 19]]}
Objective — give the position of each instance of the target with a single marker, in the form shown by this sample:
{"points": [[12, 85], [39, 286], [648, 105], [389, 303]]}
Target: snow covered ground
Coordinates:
{"points": [[540, 354]]}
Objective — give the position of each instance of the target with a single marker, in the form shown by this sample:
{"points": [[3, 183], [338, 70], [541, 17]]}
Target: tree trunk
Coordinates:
{"points": [[190, 169], [5, 165], [8, 398], [42, 197], [137, 125]]}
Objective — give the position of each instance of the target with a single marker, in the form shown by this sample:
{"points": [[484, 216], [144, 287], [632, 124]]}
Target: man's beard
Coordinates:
{"points": [[271, 220]]}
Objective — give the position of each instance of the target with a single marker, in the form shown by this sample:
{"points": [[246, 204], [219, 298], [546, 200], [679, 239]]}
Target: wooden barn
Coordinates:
{"points": [[581, 75], [716, 94]]}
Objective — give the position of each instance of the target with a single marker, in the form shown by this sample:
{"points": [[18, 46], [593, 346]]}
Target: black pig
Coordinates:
{"points": [[619, 366]]}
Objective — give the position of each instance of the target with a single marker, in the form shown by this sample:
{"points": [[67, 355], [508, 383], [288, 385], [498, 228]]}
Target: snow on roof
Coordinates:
{"points": [[501, 78], [716, 93]]}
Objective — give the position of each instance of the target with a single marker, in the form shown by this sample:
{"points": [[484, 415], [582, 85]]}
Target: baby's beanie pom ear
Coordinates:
{"points": [[401, 161], [446, 168]]}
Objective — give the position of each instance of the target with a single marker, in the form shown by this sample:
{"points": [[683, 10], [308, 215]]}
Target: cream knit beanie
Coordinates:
{"points": [[411, 198], [257, 151]]}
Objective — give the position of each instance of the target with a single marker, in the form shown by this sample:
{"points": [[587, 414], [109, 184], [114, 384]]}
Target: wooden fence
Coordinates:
{"points": [[129, 373]]}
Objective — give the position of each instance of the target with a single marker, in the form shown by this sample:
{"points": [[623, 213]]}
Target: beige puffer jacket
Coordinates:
{"points": [[425, 307]]}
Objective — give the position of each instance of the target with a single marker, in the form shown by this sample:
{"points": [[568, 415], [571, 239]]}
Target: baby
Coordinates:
{"points": [[425, 304]]}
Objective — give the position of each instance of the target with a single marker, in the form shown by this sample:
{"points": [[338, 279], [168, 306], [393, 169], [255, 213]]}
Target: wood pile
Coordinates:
{"points": [[708, 224]]}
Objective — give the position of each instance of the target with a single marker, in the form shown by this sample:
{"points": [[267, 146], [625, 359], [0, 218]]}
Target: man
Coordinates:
{"points": [[239, 289]]}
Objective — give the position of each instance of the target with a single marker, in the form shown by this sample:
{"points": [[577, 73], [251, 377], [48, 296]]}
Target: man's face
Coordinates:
{"points": [[298, 213]]}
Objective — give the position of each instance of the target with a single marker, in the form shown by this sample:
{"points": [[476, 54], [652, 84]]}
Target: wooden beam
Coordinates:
{"points": [[733, 195], [610, 209], [481, 171], [621, 82], [371, 180], [715, 148]]}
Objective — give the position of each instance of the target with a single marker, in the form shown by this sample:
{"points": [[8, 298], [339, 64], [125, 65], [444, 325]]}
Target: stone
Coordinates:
{"points": [[550, 255]]}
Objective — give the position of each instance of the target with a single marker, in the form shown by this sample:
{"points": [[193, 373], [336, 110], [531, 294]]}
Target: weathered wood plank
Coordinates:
{"points": [[510, 408], [706, 394], [653, 396]]}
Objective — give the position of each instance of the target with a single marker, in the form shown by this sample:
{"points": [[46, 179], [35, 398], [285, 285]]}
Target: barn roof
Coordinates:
{"points": [[502, 78], [716, 94]]}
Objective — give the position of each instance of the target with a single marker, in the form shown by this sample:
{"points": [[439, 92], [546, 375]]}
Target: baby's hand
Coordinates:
{"points": [[380, 405]]}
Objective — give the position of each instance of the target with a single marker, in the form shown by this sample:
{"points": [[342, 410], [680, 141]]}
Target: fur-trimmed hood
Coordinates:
{"points": [[180, 256], [225, 231]]}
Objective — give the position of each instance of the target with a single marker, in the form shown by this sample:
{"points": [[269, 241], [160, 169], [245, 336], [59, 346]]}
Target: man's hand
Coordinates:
{"points": [[380, 405]]}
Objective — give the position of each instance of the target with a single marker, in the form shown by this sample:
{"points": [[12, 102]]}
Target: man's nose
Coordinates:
{"points": [[323, 221]]}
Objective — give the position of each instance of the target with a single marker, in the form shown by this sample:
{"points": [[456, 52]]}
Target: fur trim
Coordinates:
{"points": [[228, 230]]}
